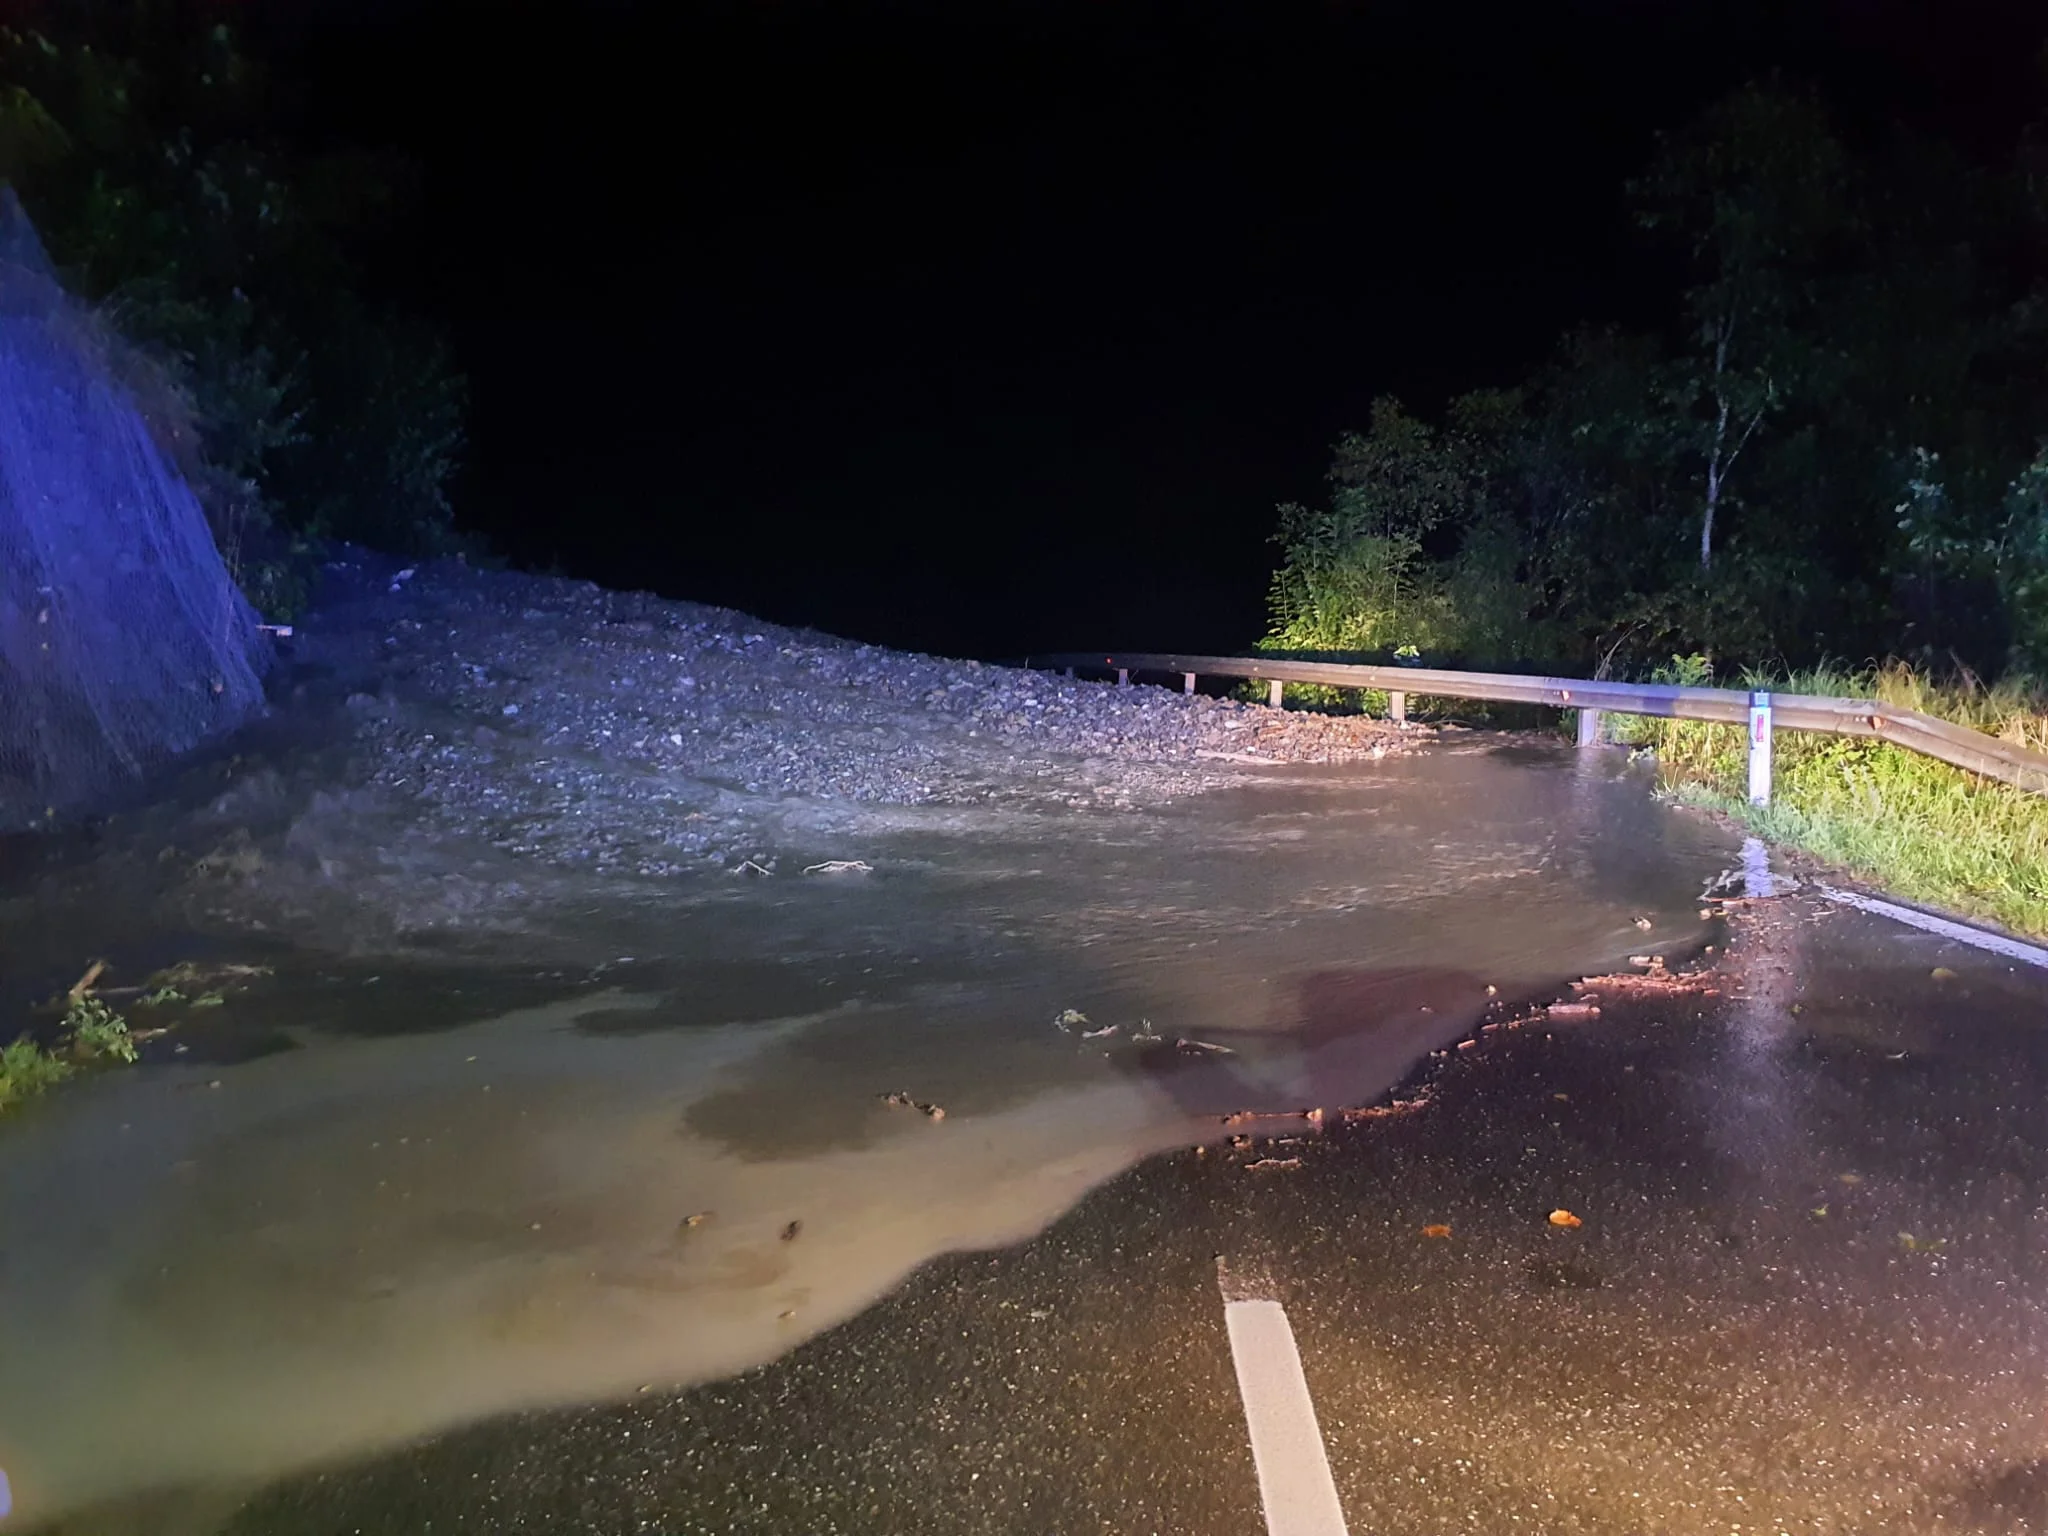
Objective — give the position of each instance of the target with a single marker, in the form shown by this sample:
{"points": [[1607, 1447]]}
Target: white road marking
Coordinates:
{"points": [[1997, 943], [1287, 1444]]}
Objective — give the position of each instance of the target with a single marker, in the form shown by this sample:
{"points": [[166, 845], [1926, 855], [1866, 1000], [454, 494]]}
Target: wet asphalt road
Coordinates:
{"points": [[1808, 1295]]}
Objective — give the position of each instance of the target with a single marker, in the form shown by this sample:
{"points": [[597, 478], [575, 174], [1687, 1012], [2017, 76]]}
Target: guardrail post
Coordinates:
{"points": [[1759, 748], [1274, 696], [1070, 674], [1589, 727], [1123, 677], [1187, 682], [1397, 706]]}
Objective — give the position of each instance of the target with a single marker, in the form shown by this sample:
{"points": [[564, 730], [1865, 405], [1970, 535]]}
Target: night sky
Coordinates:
{"points": [[999, 328]]}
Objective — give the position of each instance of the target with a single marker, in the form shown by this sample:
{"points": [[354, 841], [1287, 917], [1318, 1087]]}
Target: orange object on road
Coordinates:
{"points": [[1564, 1218]]}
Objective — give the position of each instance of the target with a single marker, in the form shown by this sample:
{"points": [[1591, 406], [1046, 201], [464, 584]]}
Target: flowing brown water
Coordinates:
{"points": [[214, 1273]]}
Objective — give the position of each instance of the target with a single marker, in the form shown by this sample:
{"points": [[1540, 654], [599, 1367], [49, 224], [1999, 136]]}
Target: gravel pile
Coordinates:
{"points": [[489, 732]]}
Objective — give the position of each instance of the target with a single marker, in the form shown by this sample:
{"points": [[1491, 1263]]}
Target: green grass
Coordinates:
{"points": [[91, 1034], [1916, 827], [26, 1069]]}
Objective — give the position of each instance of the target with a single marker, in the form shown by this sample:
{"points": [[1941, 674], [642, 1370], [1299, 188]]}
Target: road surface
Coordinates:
{"points": [[1807, 1293]]}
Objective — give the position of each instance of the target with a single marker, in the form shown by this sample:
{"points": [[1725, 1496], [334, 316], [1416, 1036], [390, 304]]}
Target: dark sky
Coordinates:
{"points": [[993, 328]]}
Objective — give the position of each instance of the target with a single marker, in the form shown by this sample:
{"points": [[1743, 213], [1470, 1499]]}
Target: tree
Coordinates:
{"points": [[1358, 573], [1756, 192], [1834, 450]]}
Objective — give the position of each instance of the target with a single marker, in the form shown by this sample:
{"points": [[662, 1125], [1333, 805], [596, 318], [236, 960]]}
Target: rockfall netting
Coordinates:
{"points": [[123, 639]]}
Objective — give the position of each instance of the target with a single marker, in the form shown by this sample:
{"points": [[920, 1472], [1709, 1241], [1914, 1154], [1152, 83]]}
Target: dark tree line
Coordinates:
{"points": [[225, 264], [1838, 447]]}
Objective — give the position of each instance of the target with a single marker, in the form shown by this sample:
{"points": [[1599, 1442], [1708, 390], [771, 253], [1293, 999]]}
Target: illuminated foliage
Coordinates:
{"points": [[1834, 448]]}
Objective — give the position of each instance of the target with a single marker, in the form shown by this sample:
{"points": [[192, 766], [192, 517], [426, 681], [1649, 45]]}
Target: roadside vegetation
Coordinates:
{"points": [[80, 1030], [1916, 827], [88, 1034], [232, 272], [1835, 445]]}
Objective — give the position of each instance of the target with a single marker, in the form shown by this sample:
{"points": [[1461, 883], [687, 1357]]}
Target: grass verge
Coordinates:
{"points": [[1916, 827], [90, 1034]]}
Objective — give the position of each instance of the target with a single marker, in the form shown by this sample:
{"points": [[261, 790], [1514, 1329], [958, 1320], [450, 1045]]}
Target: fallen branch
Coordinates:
{"points": [[84, 985], [1384, 1111], [1249, 1116], [905, 1101], [1656, 980]]}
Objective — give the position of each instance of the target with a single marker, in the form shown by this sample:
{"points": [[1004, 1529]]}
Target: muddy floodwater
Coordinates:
{"points": [[369, 1202]]}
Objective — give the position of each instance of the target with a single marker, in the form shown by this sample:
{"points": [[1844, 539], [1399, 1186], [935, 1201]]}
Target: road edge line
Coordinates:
{"points": [[1947, 928]]}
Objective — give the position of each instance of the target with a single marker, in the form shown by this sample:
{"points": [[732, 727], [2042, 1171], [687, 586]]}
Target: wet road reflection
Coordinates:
{"points": [[1808, 1296]]}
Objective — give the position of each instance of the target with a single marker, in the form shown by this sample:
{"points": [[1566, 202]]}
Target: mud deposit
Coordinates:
{"points": [[524, 1019]]}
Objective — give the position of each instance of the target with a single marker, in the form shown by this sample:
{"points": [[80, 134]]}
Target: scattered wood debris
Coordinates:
{"points": [[1384, 1111], [1656, 979], [1250, 1116], [1201, 1048], [840, 867], [1274, 1163], [901, 1100], [789, 1232]]}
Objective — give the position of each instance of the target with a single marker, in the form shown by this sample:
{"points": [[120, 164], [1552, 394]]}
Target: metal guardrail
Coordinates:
{"points": [[1956, 745]]}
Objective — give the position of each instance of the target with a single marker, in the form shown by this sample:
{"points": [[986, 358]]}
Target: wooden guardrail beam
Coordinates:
{"points": [[1956, 745]]}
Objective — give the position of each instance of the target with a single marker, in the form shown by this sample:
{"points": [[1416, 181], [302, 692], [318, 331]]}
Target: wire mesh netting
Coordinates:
{"points": [[123, 639]]}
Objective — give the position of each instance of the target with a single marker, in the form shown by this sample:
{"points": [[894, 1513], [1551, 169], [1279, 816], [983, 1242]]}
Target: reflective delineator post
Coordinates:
{"points": [[1759, 749]]}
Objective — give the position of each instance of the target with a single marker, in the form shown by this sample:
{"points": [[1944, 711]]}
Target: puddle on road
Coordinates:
{"points": [[213, 1274]]}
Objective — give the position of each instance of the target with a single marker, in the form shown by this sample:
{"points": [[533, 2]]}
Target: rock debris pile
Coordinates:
{"points": [[496, 730]]}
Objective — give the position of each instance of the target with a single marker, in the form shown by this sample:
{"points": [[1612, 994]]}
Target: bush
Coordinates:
{"points": [[96, 1032]]}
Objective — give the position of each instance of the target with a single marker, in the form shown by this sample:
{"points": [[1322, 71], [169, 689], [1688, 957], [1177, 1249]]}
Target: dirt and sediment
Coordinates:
{"points": [[456, 755]]}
